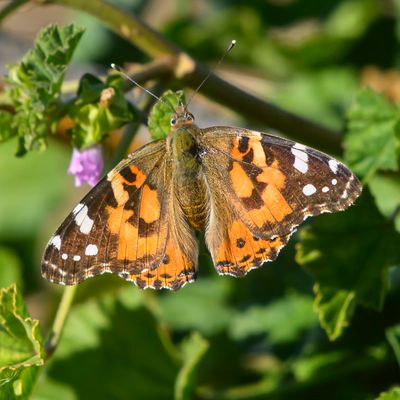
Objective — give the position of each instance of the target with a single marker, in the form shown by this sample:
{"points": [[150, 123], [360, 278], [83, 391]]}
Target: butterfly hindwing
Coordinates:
{"points": [[234, 248], [124, 226]]}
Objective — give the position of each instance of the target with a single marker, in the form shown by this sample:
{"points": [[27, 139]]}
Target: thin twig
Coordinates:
{"points": [[255, 109], [123, 23], [10, 8]]}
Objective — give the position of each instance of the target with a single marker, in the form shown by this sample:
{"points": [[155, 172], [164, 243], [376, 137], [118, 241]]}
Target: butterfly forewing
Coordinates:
{"points": [[268, 186], [274, 183], [123, 226]]}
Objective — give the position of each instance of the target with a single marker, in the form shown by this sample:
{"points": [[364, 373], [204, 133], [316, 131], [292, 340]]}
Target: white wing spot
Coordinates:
{"points": [[86, 225], [76, 258], [64, 256], [91, 250], [334, 182], [56, 242], [78, 208], [333, 165], [301, 158], [325, 189], [309, 189], [82, 219]]}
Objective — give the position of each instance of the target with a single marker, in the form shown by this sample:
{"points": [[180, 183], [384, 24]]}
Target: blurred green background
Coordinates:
{"points": [[253, 338]]}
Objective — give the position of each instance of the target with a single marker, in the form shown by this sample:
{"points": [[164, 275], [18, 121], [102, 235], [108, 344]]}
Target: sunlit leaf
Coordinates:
{"points": [[21, 346], [100, 107], [372, 142], [348, 255], [392, 394], [386, 192], [160, 116], [36, 83]]}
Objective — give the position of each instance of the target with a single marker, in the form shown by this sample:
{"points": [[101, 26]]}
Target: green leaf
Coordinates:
{"points": [[10, 267], [272, 319], [193, 350], [393, 394], [113, 348], [372, 141], [99, 108], [348, 255], [6, 129], [201, 307], [386, 192], [393, 337], [21, 346], [335, 308], [160, 115], [36, 83]]}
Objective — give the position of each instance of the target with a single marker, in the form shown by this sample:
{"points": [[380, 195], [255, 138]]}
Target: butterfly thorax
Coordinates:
{"points": [[188, 178]]}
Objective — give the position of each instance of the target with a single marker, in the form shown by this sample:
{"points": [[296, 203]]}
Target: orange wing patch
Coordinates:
{"points": [[140, 234], [131, 246], [241, 252], [244, 147], [258, 182], [131, 176], [174, 271], [241, 182], [150, 206]]}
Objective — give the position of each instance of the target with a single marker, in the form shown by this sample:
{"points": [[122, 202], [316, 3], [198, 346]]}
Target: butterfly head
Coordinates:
{"points": [[181, 117]]}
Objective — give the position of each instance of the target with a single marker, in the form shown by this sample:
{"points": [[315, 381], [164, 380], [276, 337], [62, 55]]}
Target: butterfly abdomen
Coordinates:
{"points": [[189, 184], [192, 197]]}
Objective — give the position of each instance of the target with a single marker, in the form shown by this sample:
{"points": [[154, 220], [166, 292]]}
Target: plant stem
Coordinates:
{"points": [[11, 7], [255, 109], [186, 70], [123, 23], [60, 319]]}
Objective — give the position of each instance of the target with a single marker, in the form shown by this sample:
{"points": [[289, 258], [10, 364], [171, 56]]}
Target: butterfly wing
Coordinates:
{"points": [[262, 187], [129, 225]]}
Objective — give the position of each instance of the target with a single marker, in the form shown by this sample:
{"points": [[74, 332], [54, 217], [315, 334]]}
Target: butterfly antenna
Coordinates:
{"points": [[230, 47], [126, 76]]}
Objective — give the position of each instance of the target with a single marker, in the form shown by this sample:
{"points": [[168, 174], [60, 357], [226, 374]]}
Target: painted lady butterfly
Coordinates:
{"points": [[249, 190]]}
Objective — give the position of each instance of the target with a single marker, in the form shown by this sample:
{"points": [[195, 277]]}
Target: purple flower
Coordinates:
{"points": [[86, 165]]}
